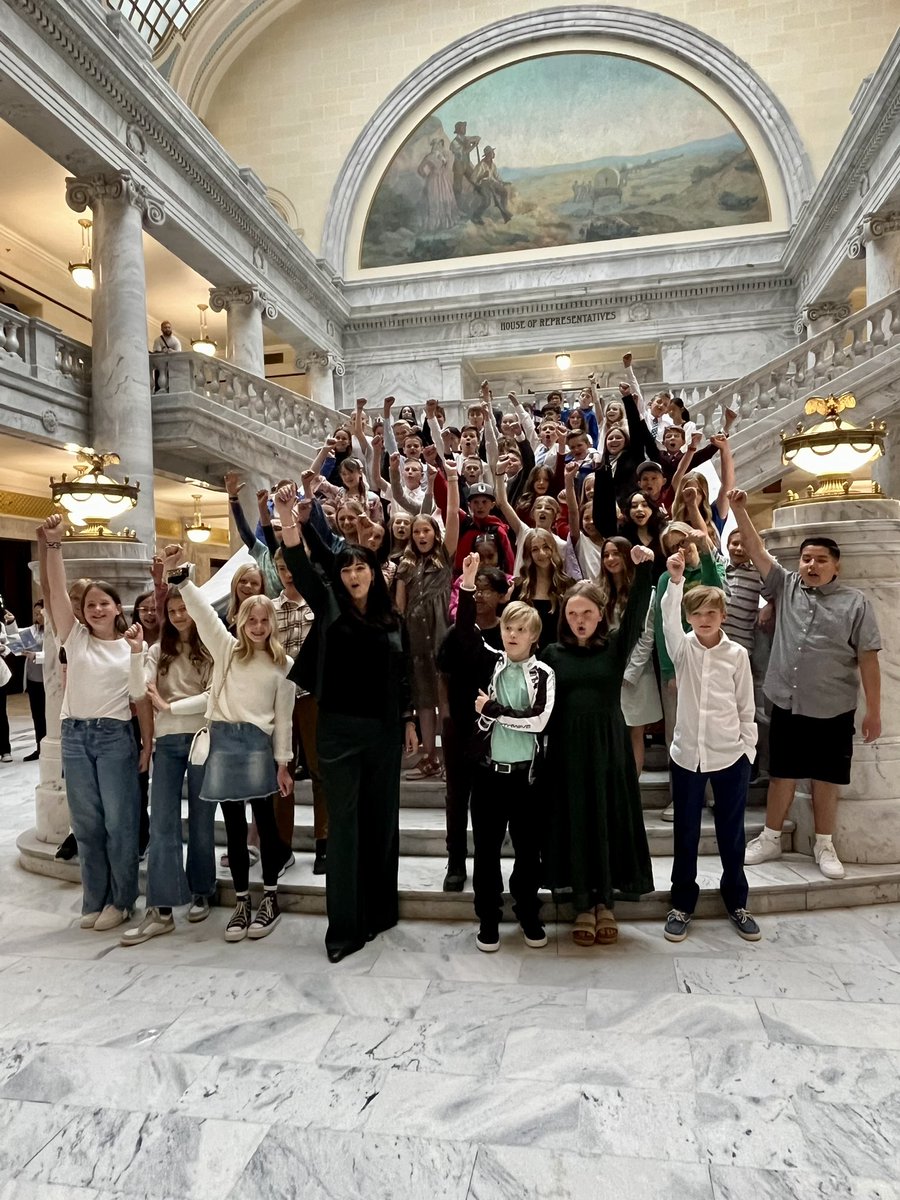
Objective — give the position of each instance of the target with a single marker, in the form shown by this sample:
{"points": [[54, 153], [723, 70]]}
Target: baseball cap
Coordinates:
{"points": [[649, 465], [481, 489]]}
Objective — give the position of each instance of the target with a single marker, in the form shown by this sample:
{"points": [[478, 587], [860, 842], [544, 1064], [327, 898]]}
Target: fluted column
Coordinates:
{"points": [[816, 318], [121, 416], [877, 239], [321, 368], [245, 306]]}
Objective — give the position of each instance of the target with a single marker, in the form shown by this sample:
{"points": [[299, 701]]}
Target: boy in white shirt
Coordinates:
{"points": [[715, 739]]}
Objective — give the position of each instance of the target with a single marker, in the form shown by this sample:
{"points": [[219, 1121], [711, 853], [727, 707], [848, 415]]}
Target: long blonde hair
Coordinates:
{"points": [[526, 580], [245, 648], [233, 603], [679, 507]]}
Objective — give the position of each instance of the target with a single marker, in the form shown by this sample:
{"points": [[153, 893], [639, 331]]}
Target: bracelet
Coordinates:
{"points": [[53, 545], [293, 525]]}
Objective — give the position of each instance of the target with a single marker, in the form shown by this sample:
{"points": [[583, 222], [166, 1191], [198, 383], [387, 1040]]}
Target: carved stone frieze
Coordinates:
{"points": [[242, 293], [118, 187]]}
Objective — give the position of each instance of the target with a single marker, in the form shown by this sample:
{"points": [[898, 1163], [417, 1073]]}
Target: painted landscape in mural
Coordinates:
{"points": [[560, 150]]}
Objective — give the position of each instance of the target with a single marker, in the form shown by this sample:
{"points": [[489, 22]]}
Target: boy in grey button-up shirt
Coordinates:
{"points": [[826, 643]]}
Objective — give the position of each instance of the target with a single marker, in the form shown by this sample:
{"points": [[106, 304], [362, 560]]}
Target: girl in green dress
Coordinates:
{"points": [[597, 843]]}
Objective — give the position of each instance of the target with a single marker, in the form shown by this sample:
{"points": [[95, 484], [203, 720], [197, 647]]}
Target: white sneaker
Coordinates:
{"points": [[199, 909], [153, 924], [5, 758], [111, 917], [829, 863], [668, 813], [762, 849]]}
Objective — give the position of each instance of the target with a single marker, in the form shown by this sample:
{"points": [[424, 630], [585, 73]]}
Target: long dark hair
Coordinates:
{"points": [[654, 526], [379, 607], [616, 595], [121, 624], [171, 645]]}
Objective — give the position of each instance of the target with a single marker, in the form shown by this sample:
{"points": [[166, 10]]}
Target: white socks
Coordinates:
{"points": [[823, 839], [774, 835]]}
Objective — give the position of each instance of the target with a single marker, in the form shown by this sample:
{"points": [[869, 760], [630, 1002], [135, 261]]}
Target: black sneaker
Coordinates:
{"points": [[267, 917], [677, 922], [488, 938], [455, 879], [288, 863], [745, 925], [535, 935], [319, 860], [236, 929], [67, 849]]}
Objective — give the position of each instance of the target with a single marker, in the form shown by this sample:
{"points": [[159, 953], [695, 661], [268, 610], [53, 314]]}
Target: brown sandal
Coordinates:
{"points": [[584, 929], [607, 929], [426, 768]]}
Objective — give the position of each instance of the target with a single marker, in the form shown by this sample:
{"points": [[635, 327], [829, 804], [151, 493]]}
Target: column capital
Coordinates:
{"points": [[321, 360], [88, 191], [242, 293], [873, 226], [831, 311]]}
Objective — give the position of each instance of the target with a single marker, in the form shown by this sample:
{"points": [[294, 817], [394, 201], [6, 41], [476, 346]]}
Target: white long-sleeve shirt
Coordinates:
{"points": [[255, 690], [715, 723]]}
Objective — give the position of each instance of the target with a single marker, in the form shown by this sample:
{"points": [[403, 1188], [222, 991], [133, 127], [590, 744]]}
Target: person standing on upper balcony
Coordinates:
{"points": [[166, 343]]}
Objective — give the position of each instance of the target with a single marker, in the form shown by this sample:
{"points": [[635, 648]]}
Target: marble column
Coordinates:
{"points": [[671, 356], [321, 368], [877, 239], [452, 389], [121, 415], [245, 306], [51, 807], [816, 318], [868, 533]]}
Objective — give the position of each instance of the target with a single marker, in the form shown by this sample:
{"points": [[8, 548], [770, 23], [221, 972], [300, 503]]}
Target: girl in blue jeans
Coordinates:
{"points": [[178, 672], [104, 670]]}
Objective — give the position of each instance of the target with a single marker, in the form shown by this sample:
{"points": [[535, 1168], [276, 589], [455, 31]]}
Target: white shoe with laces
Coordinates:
{"points": [[762, 849], [153, 924], [829, 863]]}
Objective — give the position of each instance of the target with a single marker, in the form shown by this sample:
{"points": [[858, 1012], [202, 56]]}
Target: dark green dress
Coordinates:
{"points": [[596, 845]]}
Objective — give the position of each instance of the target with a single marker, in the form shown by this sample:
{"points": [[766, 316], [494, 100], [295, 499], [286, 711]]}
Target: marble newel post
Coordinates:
{"points": [[868, 533], [245, 306], [320, 368], [878, 240]]}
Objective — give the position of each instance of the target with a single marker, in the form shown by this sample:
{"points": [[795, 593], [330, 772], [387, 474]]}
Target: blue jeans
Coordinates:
{"points": [[167, 883], [100, 764], [730, 791]]}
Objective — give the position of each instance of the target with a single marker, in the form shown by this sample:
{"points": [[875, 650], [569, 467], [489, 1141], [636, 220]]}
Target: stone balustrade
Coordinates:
{"points": [[809, 368], [43, 350], [45, 379]]}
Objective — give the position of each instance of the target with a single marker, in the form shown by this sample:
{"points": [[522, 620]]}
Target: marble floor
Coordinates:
{"points": [[420, 1069]]}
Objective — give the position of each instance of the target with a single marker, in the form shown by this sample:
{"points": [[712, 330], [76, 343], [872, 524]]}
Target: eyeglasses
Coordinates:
{"points": [[147, 612]]}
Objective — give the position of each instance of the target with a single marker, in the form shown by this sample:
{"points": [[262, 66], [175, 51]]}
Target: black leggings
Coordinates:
{"points": [[272, 849]]}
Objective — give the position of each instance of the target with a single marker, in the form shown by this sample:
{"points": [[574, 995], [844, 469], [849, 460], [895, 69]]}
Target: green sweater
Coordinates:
{"points": [[710, 572]]}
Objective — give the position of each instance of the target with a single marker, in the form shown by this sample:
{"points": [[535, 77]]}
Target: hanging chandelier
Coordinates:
{"points": [[91, 498], [832, 451], [204, 343], [197, 531], [82, 272]]}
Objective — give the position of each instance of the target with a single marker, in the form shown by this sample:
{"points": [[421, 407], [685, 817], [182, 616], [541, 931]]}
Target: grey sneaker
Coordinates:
{"points": [[199, 909], [236, 929], [677, 922], [89, 920], [111, 917], [153, 924], [745, 925], [668, 813]]}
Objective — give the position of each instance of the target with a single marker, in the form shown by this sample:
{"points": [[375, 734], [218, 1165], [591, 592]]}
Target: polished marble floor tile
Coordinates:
{"points": [[242, 1032], [26, 1128], [597, 1056], [828, 1023], [733, 1183], [675, 1015], [472, 1047], [755, 977], [556, 1008]]}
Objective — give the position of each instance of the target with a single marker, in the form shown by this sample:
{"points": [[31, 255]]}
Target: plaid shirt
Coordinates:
{"points": [[295, 620]]}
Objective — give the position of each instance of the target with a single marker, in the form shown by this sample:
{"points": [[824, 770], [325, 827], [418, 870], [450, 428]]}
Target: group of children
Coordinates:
{"points": [[526, 597]]}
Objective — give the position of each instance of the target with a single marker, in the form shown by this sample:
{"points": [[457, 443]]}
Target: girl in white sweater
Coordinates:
{"points": [[250, 711]]}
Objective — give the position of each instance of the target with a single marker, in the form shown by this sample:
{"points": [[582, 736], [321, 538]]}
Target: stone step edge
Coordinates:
{"points": [[882, 886]]}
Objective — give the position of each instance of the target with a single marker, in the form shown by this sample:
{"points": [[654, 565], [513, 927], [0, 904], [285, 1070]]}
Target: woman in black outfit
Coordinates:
{"points": [[354, 661]]}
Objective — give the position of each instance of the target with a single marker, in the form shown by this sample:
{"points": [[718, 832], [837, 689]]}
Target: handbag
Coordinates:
{"points": [[199, 751]]}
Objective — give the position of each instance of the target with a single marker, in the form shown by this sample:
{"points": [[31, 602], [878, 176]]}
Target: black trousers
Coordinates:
{"points": [[500, 802], [359, 761], [730, 791], [36, 699], [272, 850], [458, 768], [5, 747]]}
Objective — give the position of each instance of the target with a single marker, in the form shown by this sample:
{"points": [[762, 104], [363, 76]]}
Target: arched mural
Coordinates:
{"points": [[559, 150]]}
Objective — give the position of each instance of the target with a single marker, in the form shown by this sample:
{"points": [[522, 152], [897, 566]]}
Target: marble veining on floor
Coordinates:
{"points": [[420, 1069]]}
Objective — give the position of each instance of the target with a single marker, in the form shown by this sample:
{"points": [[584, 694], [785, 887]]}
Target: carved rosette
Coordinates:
{"points": [[242, 293], [121, 187], [872, 227]]}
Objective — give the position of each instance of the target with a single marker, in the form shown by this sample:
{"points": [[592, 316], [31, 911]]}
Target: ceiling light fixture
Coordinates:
{"points": [[91, 498], [82, 272], [564, 361], [196, 530], [204, 343]]}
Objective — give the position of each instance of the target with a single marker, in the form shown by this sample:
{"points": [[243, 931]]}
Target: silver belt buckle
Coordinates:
{"points": [[503, 768]]}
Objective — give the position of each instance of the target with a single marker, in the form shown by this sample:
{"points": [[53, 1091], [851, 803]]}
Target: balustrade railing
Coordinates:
{"points": [[44, 352], [247, 395], [811, 366]]}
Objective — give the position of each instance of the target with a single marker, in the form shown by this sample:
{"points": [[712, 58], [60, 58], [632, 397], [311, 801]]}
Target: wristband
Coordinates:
{"points": [[53, 545]]}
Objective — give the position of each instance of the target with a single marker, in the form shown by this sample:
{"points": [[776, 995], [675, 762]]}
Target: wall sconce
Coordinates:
{"points": [[204, 343], [197, 531], [832, 450], [82, 272], [91, 498], [564, 361]]}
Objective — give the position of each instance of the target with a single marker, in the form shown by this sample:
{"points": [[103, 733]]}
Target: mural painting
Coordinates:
{"points": [[560, 150]]}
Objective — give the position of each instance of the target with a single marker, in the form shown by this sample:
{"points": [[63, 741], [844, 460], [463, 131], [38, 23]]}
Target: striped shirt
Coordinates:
{"points": [[744, 585]]}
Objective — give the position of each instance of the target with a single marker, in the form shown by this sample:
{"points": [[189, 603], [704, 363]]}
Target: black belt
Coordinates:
{"points": [[506, 768]]}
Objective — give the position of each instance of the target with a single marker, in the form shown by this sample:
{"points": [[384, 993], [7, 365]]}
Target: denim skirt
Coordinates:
{"points": [[240, 765]]}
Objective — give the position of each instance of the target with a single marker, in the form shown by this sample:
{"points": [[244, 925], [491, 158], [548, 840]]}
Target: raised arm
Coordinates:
{"points": [[572, 503], [753, 543], [397, 490], [308, 581], [390, 441], [233, 485], [726, 473], [265, 520], [627, 360], [603, 501], [56, 593], [451, 528], [512, 518], [672, 627], [525, 420], [434, 428]]}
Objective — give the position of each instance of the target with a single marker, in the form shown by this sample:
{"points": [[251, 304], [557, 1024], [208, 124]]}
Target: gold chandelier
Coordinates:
{"points": [[832, 451], [91, 498]]}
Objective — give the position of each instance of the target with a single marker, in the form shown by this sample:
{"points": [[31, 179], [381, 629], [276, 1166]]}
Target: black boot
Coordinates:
{"points": [[68, 848], [319, 863], [455, 879]]}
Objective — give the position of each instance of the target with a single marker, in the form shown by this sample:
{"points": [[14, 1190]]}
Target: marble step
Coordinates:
{"points": [[429, 793], [792, 884], [423, 831]]}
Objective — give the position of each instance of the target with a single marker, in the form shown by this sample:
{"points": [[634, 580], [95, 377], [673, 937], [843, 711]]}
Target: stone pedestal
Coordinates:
{"points": [[245, 306], [868, 533]]}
